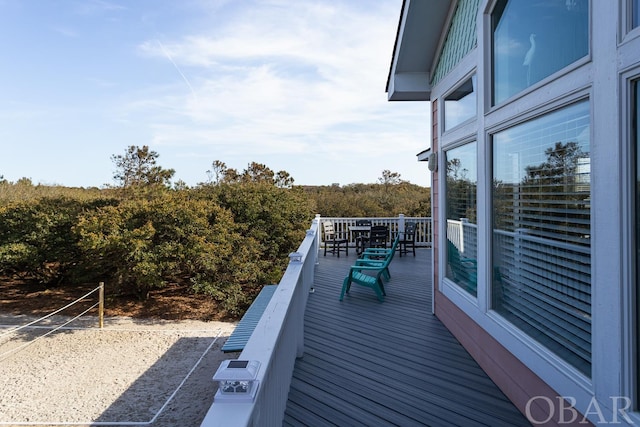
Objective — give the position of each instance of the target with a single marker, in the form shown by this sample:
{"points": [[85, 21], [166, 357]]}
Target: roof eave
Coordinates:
{"points": [[420, 30]]}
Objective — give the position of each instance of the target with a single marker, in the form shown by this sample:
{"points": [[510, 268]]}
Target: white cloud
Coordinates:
{"points": [[293, 78]]}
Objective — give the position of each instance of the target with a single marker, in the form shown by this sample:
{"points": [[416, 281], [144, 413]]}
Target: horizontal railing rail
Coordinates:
{"points": [[424, 229], [278, 338], [276, 342]]}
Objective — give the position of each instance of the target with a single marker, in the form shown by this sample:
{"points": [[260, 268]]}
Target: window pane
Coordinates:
{"points": [[635, 13], [460, 105], [462, 242], [541, 231], [532, 40], [636, 146]]}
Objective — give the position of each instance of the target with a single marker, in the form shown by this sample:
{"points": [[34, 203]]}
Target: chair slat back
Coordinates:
{"points": [[410, 231], [378, 236], [329, 232]]}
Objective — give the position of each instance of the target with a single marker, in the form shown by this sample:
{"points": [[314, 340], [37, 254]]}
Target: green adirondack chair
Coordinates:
{"points": [[371, 275], [377, 257]]}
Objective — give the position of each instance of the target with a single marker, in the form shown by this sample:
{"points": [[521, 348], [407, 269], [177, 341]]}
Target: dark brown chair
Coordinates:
{"points": [[378, 237], [331, 238], [408, 239], [362, 237]]}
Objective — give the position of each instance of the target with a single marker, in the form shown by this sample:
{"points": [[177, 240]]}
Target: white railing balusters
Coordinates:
{"points": [[278, 338], [424, 229], [276, 342]]}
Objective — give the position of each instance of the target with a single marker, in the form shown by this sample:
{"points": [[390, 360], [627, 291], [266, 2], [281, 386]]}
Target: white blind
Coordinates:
{"points": [[541, 238]]}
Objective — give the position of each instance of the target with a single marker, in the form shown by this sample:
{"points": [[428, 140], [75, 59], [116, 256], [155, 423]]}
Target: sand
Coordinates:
{"points": [[135, 372]]}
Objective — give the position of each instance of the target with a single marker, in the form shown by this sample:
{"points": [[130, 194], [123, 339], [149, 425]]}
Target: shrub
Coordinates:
{"points": [[140, 245], [36, 238]]}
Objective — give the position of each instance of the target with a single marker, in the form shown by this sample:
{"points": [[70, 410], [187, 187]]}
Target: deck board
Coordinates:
{"points": [[371, 363]]}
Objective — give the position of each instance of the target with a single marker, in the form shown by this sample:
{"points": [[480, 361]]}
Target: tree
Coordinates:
{"points": [[217, 172], [283, 180], [554, 196], [257, 172], [390, 178], [138, 168], [461, 192]]}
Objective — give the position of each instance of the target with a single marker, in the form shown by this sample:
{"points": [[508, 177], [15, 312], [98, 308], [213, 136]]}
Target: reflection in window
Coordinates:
{"points": [[635, 13], [541, 231], [460, 105], [635, 135], [462, 229], [532, 40]]}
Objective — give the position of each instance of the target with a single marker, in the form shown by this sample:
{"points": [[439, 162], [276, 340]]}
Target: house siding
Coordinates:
{"points": [[461, 38], [529, 393], [528, 371], [513, 378], [525, 389]]}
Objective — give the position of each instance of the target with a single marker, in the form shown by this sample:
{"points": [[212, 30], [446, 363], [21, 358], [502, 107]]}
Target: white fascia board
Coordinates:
{"points": [[423, 156], [411, 86]]}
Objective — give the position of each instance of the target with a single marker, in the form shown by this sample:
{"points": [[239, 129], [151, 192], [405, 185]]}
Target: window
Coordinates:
{"points": [[532, 40], [635, 135], [460, 105], [462, 240], [541, 231], [635, 13]]}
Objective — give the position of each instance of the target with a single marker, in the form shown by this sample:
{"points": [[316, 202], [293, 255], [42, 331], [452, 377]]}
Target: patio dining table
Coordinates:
{"points": [[359, 233]]}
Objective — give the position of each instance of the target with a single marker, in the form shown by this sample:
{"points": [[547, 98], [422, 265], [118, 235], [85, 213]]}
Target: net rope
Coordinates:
{"points": [[13, 330]]}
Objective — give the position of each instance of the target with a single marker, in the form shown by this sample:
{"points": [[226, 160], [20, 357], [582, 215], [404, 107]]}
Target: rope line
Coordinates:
{"points": [[6, 354], [16, 329], [123, 423]]}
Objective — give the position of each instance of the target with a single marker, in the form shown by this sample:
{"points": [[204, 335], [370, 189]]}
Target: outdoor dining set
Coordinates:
{"points": [[371, 268]]}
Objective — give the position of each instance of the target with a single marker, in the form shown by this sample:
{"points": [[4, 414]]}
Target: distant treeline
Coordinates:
{"points": [[226, 238]]}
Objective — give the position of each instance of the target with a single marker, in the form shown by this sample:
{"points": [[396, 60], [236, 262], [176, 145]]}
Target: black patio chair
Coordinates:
{"points": [[378, 237], [408, 240]]}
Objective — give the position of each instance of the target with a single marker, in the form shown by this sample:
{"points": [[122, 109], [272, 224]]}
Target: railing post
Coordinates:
{"points": [[101, 306], [400, 224], [296, 258], [463, 221], [306, 270], [316, 242]]}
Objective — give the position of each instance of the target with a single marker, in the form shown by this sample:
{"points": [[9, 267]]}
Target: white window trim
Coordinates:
{"points": [[630, 375], [613, 255], [487, 37], [448, 287], [467, 122], [626, 31]]}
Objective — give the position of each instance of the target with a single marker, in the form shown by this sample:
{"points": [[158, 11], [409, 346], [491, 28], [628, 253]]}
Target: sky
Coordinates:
{"points": [[298, 86]]}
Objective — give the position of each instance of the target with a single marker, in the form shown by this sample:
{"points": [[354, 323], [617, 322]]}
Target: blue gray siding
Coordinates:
{"points": [[461, 38]]}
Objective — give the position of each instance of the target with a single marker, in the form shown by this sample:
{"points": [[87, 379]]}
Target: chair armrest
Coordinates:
{"points": [[365, 267], [369, 262]]}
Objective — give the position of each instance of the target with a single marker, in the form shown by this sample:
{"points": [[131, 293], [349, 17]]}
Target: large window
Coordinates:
{"points": [[462, 235], [541, 231], [534, 39], [635, 135], [460, 105]]}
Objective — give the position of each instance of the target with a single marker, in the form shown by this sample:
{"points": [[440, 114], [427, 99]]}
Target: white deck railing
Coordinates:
{"points": [[424, 229], [276, 342], [279, 335]]}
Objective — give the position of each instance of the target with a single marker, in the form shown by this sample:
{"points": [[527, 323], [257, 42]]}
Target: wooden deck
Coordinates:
{"points": [[369, 363]]}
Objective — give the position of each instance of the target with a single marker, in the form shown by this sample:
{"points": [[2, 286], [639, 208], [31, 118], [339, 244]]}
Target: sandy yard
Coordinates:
{"points": [[147, 372]]}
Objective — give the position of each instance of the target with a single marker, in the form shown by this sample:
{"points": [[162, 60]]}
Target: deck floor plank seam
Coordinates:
{"points": [[359, 349]]}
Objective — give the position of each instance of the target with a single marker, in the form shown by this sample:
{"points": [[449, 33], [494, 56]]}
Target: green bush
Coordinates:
{"points": [[226, 240], [36, 238], [140, 245]]}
